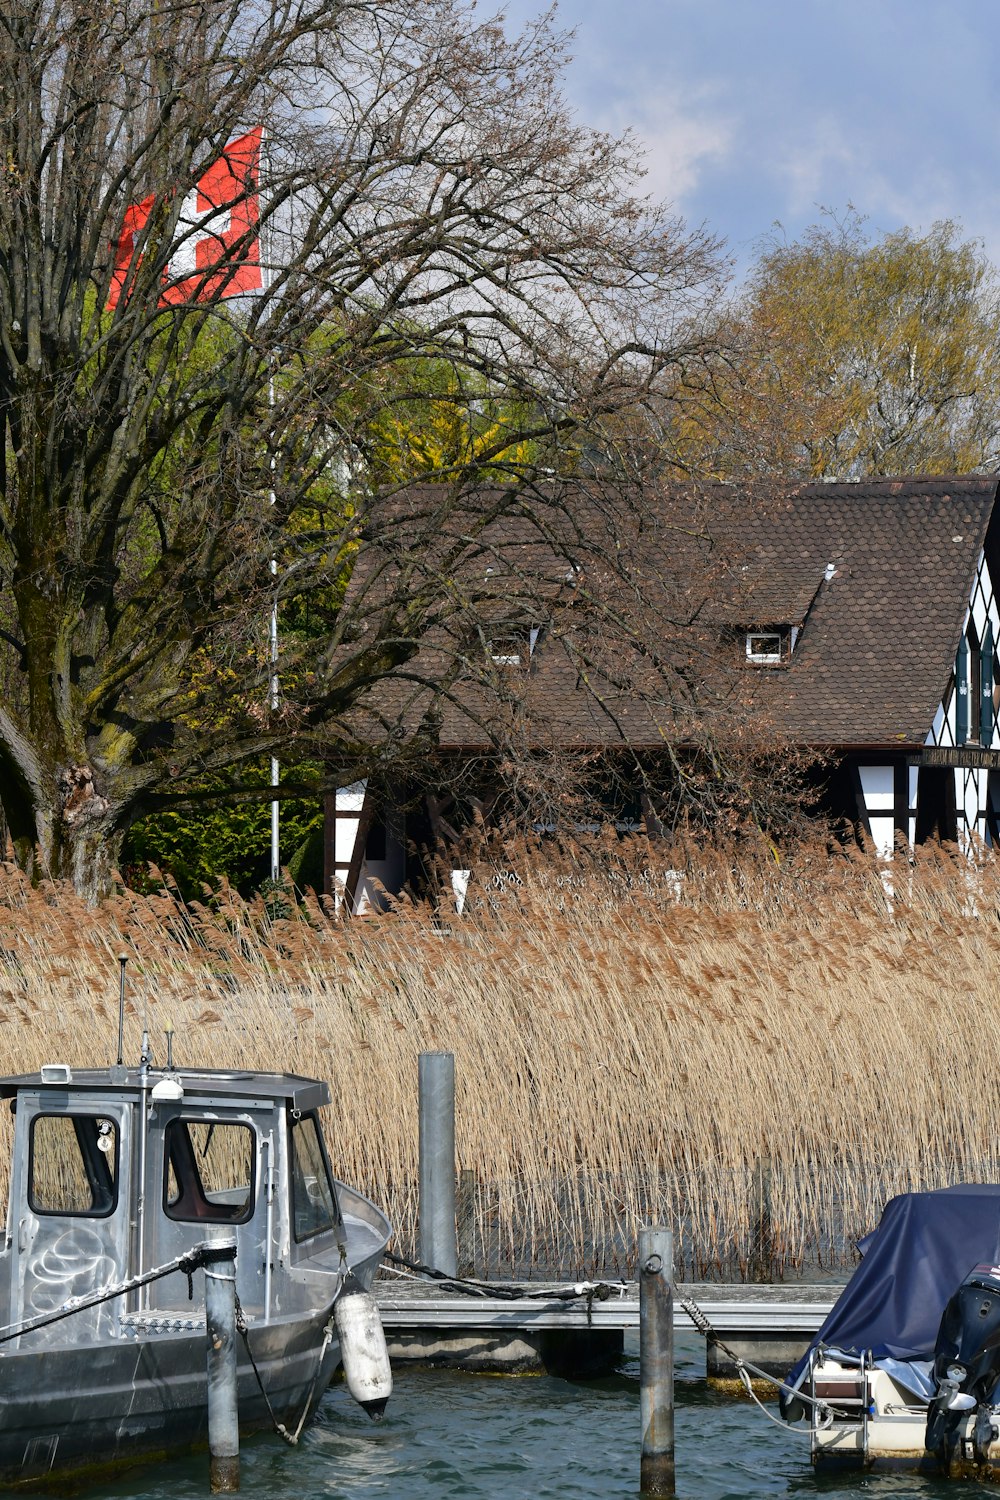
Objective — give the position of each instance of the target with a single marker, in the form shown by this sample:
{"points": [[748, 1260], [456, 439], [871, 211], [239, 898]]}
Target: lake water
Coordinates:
{"points": [[453, 1436]]}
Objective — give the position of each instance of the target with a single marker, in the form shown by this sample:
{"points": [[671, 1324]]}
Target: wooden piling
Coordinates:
{"points": [[438, 1245], [220, 1326], [466, 1222], [760, 1262], [656, 1360]]}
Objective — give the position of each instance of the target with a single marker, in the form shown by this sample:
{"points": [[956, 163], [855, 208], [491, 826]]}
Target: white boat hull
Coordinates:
{"points": [[871, 1421]]}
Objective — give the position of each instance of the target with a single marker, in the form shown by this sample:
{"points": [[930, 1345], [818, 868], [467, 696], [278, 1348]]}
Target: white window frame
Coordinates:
{"points": [[766, 658]]}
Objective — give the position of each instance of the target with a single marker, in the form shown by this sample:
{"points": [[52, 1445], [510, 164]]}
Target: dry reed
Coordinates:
{"points": [[624, 1053]]}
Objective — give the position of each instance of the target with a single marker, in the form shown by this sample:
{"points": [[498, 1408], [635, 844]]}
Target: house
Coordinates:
{"points": [[859, 620]]}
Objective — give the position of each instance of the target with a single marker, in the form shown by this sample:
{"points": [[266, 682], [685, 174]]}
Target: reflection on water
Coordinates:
{"points": [[449, 1436]]}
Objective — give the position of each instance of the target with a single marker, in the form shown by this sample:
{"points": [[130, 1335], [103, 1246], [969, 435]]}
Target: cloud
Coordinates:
{"points": [[808, 169], [683, 138]]}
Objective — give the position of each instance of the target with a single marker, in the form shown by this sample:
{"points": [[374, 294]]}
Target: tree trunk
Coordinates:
{"points": [[87, 835], [63, 828]]}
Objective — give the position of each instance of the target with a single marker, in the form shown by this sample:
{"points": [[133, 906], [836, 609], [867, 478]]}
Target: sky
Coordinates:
{"points": [[762, 112]]}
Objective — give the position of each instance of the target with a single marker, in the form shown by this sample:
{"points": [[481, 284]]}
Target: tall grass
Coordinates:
{"points": [[623, 1053]]}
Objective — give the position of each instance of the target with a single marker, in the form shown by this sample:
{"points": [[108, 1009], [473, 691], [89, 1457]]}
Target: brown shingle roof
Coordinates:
{"points": [[877, 643]]}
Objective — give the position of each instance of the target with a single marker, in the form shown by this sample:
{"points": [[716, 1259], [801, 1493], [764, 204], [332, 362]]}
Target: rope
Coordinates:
{"points": [[799, 1432], [188, 1263], [291, 1438], [593, 1291], [701, 1322]]}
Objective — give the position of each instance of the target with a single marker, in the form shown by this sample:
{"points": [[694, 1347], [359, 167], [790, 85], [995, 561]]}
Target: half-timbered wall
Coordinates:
{"points": [[365, 852], [967, 714], [899, 798]]}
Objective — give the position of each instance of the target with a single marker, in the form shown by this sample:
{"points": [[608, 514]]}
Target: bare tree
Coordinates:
{"points": [[180, 447]]}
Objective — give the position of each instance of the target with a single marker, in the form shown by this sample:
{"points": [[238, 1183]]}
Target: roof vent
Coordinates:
{"points": [[830, 573]]}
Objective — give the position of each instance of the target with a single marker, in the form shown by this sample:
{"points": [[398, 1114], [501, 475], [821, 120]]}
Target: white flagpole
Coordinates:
{"points": [[266, 272], [275, 768]]}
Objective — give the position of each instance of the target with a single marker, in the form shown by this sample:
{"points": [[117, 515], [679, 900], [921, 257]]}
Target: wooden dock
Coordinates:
{"points": [[428, 1323]]}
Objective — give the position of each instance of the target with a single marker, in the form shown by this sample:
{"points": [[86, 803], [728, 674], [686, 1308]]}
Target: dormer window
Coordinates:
{"points": [[506, 652], [514, 649], [770, 647]]}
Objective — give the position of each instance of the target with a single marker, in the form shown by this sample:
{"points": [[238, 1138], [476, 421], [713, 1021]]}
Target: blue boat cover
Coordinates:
{"points": [[923, 1249]]}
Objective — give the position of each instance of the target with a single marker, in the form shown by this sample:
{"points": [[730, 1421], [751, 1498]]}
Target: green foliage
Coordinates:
{"points": [[430, 419], [199, 847]]}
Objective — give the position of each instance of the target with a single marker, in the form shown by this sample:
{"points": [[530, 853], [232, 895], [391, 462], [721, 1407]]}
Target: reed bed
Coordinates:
{"points": [[757, 1052]]}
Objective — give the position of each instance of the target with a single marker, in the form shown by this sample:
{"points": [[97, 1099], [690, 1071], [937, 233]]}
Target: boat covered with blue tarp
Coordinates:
{"points": [[906, 1366]]}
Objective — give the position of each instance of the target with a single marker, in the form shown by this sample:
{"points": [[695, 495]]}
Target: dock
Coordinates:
{"points": [[771, 1325]]}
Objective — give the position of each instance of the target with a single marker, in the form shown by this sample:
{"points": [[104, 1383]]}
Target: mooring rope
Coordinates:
{"points": [[601, 1291], [700, 1320], [591, 1291], [188, 1263], [242, 1328]]}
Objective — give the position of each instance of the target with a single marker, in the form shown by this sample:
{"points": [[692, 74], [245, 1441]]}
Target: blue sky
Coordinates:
{"points": [[756, 111]]}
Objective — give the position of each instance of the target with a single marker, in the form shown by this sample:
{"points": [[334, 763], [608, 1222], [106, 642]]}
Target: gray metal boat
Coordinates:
{"points": [[117, 1177]]}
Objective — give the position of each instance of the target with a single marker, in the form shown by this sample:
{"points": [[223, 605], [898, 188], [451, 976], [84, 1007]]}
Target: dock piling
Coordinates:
{"points": [[466, 1222], [760, 1261], [438, 1243], [220, 1326], [656, 1360]]}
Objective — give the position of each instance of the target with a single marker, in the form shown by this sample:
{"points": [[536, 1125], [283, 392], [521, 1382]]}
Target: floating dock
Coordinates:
{"points": [[428, 1323]]}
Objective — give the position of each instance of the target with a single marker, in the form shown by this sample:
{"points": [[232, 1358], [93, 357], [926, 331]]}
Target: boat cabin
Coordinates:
{"points": [[114, 1173]]}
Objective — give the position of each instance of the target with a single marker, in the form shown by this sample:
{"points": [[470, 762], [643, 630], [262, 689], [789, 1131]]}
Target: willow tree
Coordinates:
{"points": [[857, 356], [233, 239]]}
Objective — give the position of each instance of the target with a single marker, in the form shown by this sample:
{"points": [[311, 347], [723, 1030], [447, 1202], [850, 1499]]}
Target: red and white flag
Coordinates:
{"points": [[219, 250]]}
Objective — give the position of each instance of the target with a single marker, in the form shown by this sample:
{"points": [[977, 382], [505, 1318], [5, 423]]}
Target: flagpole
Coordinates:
{"points": [[266, 273], [275, 768]]}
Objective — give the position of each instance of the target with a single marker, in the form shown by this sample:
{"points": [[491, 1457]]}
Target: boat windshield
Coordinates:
{"points": [[73, 1165], [314, 1203], [209, 1171]]}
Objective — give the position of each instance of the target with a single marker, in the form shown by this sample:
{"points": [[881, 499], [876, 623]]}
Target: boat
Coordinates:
{"points": [[122, 1182], [905, 1371]]}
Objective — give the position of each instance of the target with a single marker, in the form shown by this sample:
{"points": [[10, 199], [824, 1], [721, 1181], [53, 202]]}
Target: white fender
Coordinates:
{"points": [[362, 1347]]}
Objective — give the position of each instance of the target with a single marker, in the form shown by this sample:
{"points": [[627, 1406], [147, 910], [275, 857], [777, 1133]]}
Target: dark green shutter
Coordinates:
{"points": [[962, 693], [986, 689]]}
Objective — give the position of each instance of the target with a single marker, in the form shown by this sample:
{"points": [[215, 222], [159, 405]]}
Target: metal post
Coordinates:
{"points": [[656, 1360], [220, 1326], [438, 1247]]}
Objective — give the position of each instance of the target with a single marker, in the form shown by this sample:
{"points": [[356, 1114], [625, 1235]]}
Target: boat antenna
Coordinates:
{"points": [[122, 961], [118, 1072]]}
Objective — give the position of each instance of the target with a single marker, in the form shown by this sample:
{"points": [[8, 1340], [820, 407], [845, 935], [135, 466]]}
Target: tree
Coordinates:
{"points": [[858, 357], [175, 458]]}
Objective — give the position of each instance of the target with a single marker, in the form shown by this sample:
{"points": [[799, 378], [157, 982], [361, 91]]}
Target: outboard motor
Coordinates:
{"points": [[966, 1367]]}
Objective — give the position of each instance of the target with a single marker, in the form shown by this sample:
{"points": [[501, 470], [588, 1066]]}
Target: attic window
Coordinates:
{"points": [[506, 652], [514, 649], [768, 648]]}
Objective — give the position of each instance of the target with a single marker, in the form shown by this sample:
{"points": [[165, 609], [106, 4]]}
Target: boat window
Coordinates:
{"points": [[209, 1171], [314, 1203], [73, 1165]]}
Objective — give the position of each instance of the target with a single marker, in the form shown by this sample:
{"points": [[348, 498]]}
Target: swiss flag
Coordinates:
{"points": [[219, 253]]}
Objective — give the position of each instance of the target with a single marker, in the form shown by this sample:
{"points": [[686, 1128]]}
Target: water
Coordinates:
{"points": [[454, 1436]]}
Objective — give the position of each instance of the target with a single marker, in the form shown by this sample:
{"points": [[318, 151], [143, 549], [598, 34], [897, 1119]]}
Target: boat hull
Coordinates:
{"points": [[74, 1409], [878, 1425]]}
